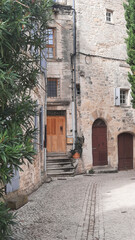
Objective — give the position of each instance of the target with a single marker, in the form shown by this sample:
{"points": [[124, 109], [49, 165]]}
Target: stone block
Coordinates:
{"points": [[17, 202]]}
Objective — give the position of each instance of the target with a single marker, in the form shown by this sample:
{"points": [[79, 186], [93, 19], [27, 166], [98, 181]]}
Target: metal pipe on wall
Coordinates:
{"points": [[74, 71]]}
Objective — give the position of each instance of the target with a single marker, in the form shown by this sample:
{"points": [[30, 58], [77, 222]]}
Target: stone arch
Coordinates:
{"points": [[100, 115]]}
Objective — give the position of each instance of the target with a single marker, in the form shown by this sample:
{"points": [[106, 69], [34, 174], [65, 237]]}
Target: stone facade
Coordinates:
{"points": [[59, 67], [101, 70], [102, 67]]}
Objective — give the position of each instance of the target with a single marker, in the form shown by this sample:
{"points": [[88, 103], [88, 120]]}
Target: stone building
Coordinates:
{"points": [[102, 100], [88, 93]]}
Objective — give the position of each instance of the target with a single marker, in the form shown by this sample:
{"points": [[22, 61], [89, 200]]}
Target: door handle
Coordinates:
{"points": [[61, 129], [93, 148]]}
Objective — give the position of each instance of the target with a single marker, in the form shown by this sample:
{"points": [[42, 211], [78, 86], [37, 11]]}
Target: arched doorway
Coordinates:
{"points": [[125, 151], [99, 143]]}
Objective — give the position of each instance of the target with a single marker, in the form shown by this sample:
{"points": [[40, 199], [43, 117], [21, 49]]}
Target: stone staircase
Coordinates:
{"points": [[59, 165]]}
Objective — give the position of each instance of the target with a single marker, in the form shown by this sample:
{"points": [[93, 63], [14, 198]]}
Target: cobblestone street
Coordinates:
{"points": [[98, 207]]}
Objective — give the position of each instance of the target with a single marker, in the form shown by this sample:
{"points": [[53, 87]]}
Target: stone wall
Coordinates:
{"points": [[32, 175], [101, 65]]}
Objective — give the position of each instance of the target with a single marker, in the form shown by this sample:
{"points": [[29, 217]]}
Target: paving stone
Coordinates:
{"points": [[81, 208]]}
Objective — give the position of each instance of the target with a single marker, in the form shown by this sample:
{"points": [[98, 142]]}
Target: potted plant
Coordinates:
{"points": [[77, 151]]}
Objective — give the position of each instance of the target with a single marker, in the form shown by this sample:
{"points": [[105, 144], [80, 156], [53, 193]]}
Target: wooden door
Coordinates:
{"points": [[56, 134], [125, 151], [99, 143]]}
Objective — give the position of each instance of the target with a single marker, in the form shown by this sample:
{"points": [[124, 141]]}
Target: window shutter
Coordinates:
{"points": [[15, 182], [117, 96], [43, 62], [36, 128], [41, 127]]}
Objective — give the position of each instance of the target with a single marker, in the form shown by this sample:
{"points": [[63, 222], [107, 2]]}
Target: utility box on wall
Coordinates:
{"points": [[64, 2]]}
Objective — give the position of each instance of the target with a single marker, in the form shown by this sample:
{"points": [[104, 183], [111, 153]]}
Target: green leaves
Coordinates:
{"points": [[130, 41], [6, 220], [22, 28]]}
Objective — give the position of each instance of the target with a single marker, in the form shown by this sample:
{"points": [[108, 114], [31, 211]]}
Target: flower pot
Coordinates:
{"points": [[76, 155]]}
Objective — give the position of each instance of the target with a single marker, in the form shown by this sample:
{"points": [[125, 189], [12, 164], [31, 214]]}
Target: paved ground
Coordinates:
{"points": [[99, 207]]}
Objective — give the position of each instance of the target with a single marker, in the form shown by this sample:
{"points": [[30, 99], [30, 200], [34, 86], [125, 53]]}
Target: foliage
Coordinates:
{"points": [[130, 24], [22, 37], [91, 171], [7, 219]]}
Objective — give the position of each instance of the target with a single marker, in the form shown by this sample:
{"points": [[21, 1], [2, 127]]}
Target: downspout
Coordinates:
{"points": [[45, 111], [74, 106], [44, 70]]}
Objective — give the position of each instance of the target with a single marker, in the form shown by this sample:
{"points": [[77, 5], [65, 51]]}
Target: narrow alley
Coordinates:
{"points": [[97, 207]]}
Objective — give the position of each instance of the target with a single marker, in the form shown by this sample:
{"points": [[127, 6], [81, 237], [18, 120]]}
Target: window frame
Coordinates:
{"points": [[111, 16], [56, 80], [53, 46], [126, 97], [117, 95]]}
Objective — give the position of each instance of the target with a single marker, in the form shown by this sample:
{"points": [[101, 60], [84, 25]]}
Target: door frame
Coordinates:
{"points": [[58, 113]]}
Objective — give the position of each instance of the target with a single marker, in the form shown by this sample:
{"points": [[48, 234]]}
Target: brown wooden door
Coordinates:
{"points": [[56, 134], [99, 143], [125, 151]]}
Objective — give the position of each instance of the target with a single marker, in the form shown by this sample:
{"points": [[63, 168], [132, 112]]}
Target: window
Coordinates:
{"points": [[109, 15], [78, 89], [123, 96], [52, 87], [50, 43]]}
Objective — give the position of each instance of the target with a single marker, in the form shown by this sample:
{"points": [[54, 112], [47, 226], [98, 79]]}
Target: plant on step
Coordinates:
{"points": [[91, 171], [23, 24], [130, 41], [78, 146]]}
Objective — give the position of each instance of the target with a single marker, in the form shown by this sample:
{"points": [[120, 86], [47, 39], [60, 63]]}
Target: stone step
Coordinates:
{"points": [[59, 168], [55, 155], [57, 158], [52, 174], [104, 169], [58, 163]]}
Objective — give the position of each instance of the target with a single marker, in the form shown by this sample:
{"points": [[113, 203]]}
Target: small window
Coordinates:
{"points": [[52, 87], [50, 43], [78, 89], [109, 15], [123, 96]]}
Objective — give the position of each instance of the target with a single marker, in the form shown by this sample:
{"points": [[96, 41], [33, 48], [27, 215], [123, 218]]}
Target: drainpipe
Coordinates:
{"points": [[74, 107], [44, 70], [45, 110]]}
